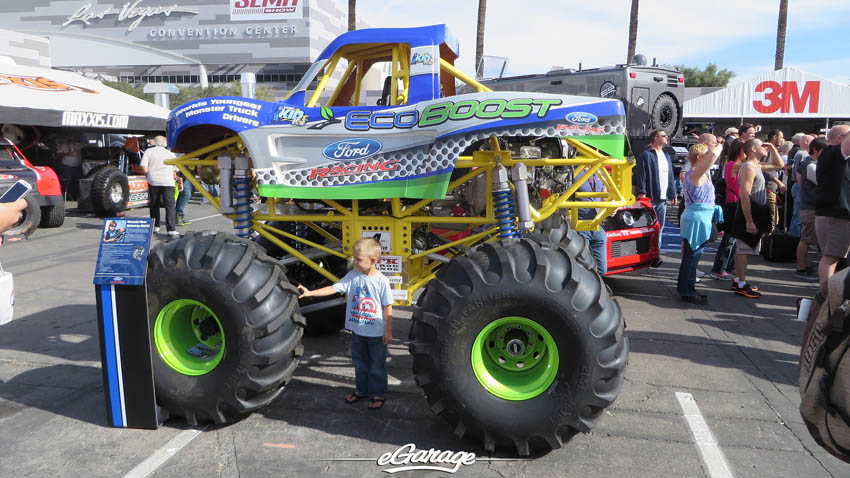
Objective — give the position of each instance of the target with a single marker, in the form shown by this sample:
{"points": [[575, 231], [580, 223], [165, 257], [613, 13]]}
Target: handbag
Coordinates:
{"points": [[761, 217], [7, 296]]}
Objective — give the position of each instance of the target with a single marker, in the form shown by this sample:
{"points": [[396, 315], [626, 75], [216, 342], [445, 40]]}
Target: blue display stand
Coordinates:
{"points": [[122, 313]]}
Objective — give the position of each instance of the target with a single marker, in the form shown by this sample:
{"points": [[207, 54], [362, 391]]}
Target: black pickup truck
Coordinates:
{"points": [[652, 95]]}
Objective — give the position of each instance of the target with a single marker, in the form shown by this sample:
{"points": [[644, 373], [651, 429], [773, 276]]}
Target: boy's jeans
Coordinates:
{"points": [[369, 355]]}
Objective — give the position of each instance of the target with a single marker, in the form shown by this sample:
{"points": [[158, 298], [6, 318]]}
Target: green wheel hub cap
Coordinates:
{"points": [[189, 337], [515, 358]]}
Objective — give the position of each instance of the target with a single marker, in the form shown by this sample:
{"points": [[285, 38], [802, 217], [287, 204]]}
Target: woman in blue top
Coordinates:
{"points": [[696, 222]]}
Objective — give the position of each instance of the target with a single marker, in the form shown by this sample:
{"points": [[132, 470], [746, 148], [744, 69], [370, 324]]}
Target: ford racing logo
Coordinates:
{"points": [[582, 118], [351, 149]]}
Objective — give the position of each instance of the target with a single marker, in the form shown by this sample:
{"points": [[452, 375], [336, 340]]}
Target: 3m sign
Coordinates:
{"points": [[253, 10], [786, 97]]}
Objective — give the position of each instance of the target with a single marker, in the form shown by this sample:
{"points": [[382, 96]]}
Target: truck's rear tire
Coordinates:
{"points": [[225, 327], [110, 191], [30, 219], [518, 344], [53, 216], [666, 114]]}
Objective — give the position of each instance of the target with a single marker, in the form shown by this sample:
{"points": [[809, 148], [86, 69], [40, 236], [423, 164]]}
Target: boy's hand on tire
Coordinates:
{"points": [[303, 291]]}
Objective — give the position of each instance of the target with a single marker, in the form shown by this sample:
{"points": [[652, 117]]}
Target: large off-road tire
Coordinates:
{"points": [[518, 344], [53, 216], [557, 230], [666, 114], [225, 327], [110, 191], [325, 321], [30, 219]]}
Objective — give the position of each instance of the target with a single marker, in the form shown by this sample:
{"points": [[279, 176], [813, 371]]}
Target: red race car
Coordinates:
{"points": [[632, 233], [45, 203]]}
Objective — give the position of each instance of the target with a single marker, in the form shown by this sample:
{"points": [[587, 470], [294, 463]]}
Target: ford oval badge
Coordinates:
{"points": [[581, 118], [351, 149]]}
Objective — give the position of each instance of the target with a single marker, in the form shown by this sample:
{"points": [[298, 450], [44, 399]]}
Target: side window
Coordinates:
{"points": [[361, 75]]}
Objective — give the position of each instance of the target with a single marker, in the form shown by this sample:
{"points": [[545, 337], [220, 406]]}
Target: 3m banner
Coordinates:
{"points": [[785, 93]]}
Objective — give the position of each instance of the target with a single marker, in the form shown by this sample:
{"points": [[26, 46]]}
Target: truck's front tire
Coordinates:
{"points": [[225, 327], [518, 344], [53, 216], [110, 191]]}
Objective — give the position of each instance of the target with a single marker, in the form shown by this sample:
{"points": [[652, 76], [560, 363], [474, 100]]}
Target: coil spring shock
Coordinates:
{"points": [[298, 229], [503, 209], [244, 221]]}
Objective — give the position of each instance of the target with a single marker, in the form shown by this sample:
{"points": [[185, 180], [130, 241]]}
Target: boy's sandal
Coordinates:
{"points": [[376, 403], [353, 397]]}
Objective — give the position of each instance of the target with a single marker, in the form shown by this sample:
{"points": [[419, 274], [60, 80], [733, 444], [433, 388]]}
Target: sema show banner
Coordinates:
{"points": [[258, 10]]}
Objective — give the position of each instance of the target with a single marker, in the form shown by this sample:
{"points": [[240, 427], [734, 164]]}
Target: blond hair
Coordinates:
{"points": [[369, 246], [696, 151]]}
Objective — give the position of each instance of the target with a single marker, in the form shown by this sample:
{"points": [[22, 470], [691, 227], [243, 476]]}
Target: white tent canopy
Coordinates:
{"points": [[32, 95], [787, 93]]}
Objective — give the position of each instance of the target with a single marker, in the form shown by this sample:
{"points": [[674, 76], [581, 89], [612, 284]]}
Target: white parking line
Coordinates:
{"points": [[205, 217], [709, 450], [162, 455]]}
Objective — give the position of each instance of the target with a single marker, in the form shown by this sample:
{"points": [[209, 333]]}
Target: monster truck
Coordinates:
{"points": [[515, 338], [45, 203]]}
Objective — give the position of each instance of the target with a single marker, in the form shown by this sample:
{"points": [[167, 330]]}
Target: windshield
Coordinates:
{"points": [[308, 77]]}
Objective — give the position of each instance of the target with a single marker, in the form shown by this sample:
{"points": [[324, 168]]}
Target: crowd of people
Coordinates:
{"points": [[732, 185]]}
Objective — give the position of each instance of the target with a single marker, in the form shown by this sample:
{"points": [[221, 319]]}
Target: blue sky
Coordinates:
{"points": [[736, 35]]}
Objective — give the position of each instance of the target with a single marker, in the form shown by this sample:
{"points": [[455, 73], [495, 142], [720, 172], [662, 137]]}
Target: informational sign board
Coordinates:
{"points": [[124, 332], [123, 254]]}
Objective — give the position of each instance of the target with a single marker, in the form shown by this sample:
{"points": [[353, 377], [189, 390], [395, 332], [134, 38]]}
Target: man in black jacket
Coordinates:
{"points": [[653, 176]]}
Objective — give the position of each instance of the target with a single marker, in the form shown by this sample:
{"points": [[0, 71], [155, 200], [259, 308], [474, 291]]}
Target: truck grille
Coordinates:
{"points": [[630, 247], [673, 81]]}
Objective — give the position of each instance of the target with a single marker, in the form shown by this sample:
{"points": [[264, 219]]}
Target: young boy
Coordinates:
{"points": [[369, 317]]}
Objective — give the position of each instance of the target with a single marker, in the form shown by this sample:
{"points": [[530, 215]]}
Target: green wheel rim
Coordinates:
{"points": [[515, 358], [189, 337]]}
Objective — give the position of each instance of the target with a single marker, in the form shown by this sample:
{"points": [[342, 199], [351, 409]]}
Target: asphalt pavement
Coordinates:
{"points": [[710, 391]]}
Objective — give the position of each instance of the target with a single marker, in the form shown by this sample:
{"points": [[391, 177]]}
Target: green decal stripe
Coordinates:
{"points": [[429, 187], [613, 145]]}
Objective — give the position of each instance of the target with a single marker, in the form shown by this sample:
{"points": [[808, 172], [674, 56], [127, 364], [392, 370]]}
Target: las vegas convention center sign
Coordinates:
{"points": [[133, 14]]}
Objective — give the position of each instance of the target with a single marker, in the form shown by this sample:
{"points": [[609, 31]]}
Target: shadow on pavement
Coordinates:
{"points": [[72, 391], [67, 332], [315, 399]]}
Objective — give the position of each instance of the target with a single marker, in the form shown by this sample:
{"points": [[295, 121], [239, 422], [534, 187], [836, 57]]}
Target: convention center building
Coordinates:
{"points": [[182, 42]]}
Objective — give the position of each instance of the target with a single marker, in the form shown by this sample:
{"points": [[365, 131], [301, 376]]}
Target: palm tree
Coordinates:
{"points": [[633, 24], [780, 34], [352, 21], [479, 39]]}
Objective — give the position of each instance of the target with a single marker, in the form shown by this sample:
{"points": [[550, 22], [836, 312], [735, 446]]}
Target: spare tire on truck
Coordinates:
{"points": [[666, 114], [30, 219], [110, 191], [225, 327], [518, 344]]}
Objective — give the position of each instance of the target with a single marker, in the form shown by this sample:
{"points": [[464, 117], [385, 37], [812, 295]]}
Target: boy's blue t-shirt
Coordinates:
{"points": [[366, 298]]}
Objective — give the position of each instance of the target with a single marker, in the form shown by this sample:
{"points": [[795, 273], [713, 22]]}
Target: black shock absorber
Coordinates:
{"points": [[244, 221], [235, 195]]}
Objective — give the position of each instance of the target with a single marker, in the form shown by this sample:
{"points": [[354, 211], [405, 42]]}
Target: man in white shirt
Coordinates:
{"points": [[161, 178], [653, 176]]}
